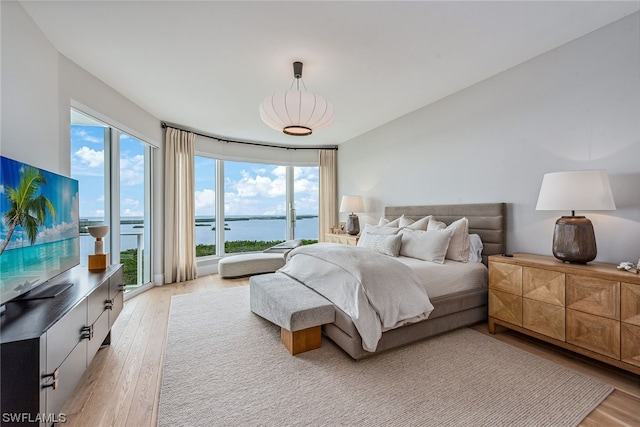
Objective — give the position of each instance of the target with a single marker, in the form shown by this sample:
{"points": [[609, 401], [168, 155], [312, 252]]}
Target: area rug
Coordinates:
{"points": [[225, 366]]}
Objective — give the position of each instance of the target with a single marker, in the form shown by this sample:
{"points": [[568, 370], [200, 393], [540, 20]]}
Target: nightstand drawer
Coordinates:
{"points": [[593, 296], [344, 239], [505, 306], [594, 333], [505, 278]]}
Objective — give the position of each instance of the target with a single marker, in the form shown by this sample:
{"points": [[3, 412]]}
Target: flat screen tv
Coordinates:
{"points": [[39, 228]]}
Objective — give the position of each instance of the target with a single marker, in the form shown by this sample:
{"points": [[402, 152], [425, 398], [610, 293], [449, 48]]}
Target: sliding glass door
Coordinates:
{"points": [[246, 207]]}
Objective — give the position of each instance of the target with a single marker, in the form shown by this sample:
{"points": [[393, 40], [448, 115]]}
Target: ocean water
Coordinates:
{"points": [[252, 229], [33, 264]]}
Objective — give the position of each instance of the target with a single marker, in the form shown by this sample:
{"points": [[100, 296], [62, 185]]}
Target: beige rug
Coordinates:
{"points": [[225, 366]]}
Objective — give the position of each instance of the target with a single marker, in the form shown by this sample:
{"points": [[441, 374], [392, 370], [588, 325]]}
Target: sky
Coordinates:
{"points": [[250, 188]]}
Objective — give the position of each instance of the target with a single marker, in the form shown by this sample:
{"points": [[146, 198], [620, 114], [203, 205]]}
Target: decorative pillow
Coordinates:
{"points": [[383, 221], [376, 229], [459, 245], [475, 248], [387, 244], [428, 245], [404, 222], [420, 224], [395, 223]]}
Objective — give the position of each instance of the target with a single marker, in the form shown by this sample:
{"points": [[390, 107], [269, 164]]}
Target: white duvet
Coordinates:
{"points": [[375, 290]]}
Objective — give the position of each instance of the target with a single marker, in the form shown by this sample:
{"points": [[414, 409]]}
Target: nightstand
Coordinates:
{"points": [[592, 309], [345, 239]]}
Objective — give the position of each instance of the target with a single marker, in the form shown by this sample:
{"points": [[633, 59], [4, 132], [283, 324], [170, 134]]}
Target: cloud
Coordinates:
{"points": [[205, 202], [132, 170], [89, 157], [86, 137], [260, 185], [130, 202]]}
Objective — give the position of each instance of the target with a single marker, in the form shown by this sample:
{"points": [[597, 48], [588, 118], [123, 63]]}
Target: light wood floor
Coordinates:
{"points": [[122, 385]]}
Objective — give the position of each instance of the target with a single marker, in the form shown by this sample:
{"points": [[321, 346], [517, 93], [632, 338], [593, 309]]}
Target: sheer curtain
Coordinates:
{"points": [[179, 210], [328, 216]]}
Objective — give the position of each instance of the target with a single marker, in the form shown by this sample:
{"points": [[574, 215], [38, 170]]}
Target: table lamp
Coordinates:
{"points": [[588, 190], [352, 204], [99, 260]]}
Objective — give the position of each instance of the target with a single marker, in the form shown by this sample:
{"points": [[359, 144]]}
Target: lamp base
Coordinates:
{"points": [[574, 240], [353, 225], [98, 262]]}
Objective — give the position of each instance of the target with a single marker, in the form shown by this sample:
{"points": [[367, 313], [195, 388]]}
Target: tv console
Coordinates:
{"points": [[47, 344]]}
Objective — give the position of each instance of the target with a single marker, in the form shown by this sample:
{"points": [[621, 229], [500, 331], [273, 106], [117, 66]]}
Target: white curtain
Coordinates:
{"points": [[328, 215], [179, 210]]}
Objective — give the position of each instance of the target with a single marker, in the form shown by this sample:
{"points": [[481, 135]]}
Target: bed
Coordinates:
{"points": [[451, 310]]}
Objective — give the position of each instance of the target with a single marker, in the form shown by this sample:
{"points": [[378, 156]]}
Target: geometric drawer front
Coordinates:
{"points": [[630, 300], [543, 285], [546, 319], [594, 333], [505, 277], [594, 296], [631, 344], [505, 306]]}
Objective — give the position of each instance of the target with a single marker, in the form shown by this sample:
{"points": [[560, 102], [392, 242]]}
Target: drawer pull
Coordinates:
{"points": [[108, 304], [121, 286], [87, 332], [53, 384]]}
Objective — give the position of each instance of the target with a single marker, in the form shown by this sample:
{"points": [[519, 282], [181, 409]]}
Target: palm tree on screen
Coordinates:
{"points": [[27, 210]]}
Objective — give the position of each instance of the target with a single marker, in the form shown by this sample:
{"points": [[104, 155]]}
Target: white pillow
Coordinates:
{"points": [[420, 224], [459, 245], [375, 229], [395, 223], [383, 221], [387, 244], [475, 248], [404, 222], [428, 245]]}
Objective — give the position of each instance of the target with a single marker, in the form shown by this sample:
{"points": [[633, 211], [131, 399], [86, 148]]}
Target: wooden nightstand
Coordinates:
{"points": [[345, 239], [592, 309]]}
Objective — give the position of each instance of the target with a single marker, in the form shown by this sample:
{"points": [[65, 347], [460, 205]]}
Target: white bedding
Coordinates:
{"points": [[375, 290], [448, 278]]}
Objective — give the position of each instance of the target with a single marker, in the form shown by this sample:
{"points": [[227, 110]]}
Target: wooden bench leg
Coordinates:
{"points": [[301, 341]]}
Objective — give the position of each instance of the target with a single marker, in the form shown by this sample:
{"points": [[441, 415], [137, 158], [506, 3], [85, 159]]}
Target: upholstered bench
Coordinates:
{"points": [[299, 311], [267, 261]]}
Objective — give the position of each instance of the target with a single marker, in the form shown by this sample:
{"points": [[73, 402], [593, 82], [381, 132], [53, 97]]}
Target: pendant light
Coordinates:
{"points": [[296, 112]]}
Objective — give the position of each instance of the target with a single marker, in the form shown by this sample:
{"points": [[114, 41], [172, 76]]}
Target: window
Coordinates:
{"points": [[255, 206], [205, 206], [113, 170], [258, 206]]}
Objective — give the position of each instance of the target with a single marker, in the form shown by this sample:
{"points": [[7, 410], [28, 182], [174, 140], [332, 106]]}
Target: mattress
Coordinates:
{"points": [[440, 281], [448, 278]]}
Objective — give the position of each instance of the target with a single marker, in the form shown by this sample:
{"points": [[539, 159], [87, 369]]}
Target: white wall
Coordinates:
{"points": [[39, 86], [576, 107]]}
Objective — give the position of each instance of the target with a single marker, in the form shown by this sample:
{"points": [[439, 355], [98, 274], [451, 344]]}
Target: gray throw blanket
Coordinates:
{"points": [[375, 290]]}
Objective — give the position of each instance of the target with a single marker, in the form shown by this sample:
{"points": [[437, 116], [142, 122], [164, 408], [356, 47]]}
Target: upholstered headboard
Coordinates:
{"points": [[488, 220]]}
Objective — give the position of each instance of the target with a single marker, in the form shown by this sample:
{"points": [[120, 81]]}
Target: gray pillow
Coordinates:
{"points": [[387, 244]]}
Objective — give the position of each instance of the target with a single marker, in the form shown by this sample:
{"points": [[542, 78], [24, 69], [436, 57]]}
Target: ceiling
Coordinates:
{"points": [[207, 65]]}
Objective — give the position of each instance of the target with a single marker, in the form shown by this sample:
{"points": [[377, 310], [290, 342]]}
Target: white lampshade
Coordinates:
{"points": [[296, 112], [584, 190], [351, 204]]}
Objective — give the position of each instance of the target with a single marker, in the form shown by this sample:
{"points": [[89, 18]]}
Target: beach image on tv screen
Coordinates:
{"points": [[39, 228]]}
